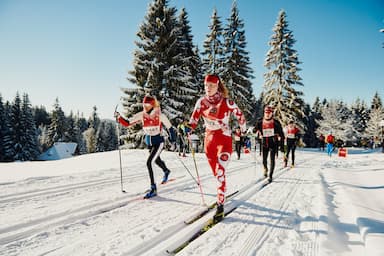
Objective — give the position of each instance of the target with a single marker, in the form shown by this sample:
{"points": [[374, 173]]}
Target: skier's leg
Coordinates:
{"points": [[293, 155], [153, 154], [265, 160], [272, 165]]}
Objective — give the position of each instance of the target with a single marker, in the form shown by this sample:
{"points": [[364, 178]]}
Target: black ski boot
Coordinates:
{"points": [[165, 177], [152, 192], [219, 215]]}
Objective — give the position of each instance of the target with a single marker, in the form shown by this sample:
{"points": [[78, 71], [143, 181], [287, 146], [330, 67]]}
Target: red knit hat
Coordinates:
{"points": [[212, 79], [149, 100]]}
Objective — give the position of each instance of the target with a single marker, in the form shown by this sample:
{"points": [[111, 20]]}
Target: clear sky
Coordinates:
{"points": [[81, 51]]}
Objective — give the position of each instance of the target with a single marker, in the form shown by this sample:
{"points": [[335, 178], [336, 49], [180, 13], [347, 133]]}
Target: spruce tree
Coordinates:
{"points": [[191, 84], [376, 101], [57, 128], [373, 126], [163, 65], [7, 133], [335, 120], [237, 71], [17, 128], [282, 75], [3, 127], [29, 143], [360, 117], [213, 47]]}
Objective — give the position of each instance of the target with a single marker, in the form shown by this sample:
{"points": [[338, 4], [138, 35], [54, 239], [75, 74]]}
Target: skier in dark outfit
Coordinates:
{"points": [[270, 130], [238, 141], [152, 120], [292, 137]]}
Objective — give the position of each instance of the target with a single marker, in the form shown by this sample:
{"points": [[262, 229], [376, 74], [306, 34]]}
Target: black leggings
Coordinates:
{"points": [[291, 147], [238, 148], [154, 156], [272, 150]]}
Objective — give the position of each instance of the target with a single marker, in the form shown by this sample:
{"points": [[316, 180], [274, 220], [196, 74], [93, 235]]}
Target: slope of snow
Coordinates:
{"points": [[322, 206]]}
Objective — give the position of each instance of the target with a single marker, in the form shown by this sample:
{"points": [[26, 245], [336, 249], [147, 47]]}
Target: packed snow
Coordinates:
{"points": [[75, 206]]}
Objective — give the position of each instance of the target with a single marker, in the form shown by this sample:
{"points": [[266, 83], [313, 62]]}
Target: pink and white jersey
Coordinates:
{"points": [[216, 114]]}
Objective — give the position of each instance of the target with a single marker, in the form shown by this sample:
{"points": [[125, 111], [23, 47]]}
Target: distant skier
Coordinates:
{"points": [[330, 140], [182, 142], [238, 141], [322, 142], [270, 130], [152, 119], [216, 108], [292, 137]]}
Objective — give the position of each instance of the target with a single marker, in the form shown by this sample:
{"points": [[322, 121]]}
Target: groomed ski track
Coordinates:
{"points": [[97, 199]]}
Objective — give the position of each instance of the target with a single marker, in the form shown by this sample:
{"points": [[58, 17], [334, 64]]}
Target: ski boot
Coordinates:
{"points": [[219, 215], [165, 177], [270, 179], [152, 192], [265, 172]]}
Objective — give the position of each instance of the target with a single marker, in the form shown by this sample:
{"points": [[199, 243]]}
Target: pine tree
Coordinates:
{"points": [[29, 143], [17, 129], [309, 137], [282, 65], [237, 71], [360, 116], [373, 126], [81, 125], [41, 116], [57, 128], [376, 101], [7, 133], [90, 140], [336, 121], [3, 123], [213, 53], [163, 65], [94, 120], [191, 84]]}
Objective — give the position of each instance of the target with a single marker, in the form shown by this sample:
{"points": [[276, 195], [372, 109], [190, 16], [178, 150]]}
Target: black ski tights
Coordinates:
{"points": [[272, 151], [154, 156]]}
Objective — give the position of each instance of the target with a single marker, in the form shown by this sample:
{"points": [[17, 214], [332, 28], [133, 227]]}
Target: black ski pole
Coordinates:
{"points": [[118, 146], [186, 168]]}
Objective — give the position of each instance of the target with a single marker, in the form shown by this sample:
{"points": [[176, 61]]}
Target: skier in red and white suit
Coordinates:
{"points": [[216, 109]]}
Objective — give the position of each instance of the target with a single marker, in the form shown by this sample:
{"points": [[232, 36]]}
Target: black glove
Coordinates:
{"points": [[116, 115]]}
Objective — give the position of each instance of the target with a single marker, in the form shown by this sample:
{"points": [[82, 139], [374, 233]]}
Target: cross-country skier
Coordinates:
{"points": [[292, 136], [152, 120], [216, 108], [330, 140], [271, 131], [238, 141]]}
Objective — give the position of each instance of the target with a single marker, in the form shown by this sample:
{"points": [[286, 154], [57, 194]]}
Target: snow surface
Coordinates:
{"points": [[75, 206]]}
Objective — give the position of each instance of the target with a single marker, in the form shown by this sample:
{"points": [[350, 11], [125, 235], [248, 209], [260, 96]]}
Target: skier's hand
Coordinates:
{"points": [[116, 115]]}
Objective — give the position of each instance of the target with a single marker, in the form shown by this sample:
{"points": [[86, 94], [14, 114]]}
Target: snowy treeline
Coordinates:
{"points": [[27, 131], [168, 65]]}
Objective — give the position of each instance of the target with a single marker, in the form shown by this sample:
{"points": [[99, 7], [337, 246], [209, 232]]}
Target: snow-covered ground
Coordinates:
{"points": [[323, 206]]}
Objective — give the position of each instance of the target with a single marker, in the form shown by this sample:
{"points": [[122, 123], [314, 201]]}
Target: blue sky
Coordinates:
{"points": [[81, 51]]}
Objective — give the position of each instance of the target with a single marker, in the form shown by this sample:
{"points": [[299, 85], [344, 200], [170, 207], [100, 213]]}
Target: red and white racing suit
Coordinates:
{"points": [[216, 111]]}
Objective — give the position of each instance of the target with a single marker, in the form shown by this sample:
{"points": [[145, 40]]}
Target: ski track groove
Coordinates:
{"points": [[64, 188], [260, 234], [21, 231], [24, 230]]}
